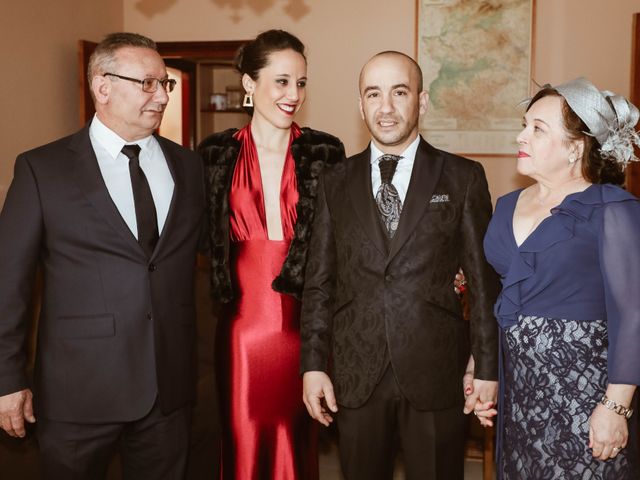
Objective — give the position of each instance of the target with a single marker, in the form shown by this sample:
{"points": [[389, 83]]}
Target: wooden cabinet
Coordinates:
{"points": [[220, 95]]}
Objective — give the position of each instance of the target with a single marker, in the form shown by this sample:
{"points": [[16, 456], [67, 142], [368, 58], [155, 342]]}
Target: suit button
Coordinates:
{"points": [[388, 277], [152, 267], [149, 316]]}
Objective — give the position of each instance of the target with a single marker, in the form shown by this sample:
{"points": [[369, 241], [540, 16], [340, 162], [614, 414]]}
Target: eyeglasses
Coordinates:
{"points": [[150, 84]]}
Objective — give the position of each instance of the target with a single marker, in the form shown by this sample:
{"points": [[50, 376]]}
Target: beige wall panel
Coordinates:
{"points": [[38, 44]]}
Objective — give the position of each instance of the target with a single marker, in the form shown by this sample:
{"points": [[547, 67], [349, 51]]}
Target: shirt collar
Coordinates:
{"points": [[111, 141], [409, 152]]}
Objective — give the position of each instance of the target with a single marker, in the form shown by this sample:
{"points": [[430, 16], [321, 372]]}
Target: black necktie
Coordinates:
{"points": [[146, 216], [387, 198]]}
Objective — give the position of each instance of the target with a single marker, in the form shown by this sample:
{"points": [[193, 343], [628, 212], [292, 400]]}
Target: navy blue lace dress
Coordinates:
{"points": [[569, 313]]}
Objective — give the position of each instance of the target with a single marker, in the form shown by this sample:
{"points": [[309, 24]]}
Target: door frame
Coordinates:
{"points": [[633, 170]]}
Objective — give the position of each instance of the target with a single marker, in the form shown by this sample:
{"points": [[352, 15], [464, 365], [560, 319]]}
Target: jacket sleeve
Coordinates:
{"points": [[21, 230], [319, 287], [483, 280], [620, 264]]}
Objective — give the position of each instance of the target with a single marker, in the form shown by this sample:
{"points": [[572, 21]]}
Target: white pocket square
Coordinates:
{"points": [[440, 198]]}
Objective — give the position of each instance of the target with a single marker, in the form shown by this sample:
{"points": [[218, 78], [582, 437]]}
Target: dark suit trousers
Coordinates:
{"points": [[152, 448], [432, 442]]}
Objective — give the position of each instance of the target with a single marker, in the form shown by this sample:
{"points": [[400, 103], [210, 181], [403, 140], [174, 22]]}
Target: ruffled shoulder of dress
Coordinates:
{"points": [[581, 205], [576, 207]]}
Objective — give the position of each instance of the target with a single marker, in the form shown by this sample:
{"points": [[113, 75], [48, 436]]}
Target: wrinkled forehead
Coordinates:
{"points": [[144, 62]]}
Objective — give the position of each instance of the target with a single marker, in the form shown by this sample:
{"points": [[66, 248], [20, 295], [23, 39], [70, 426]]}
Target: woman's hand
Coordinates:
{"points": [[608, 433], [480, 396], [459, 282]]}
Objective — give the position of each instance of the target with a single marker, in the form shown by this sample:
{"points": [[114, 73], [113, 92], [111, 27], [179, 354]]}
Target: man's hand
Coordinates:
{"points": [[14, 409], [482, 401], [317, 386]]}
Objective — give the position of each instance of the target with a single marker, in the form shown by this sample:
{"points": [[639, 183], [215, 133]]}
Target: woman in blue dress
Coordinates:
{"points": [[567, 249]]}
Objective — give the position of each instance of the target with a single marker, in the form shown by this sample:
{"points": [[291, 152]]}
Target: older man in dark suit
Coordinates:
{"points": [[113, 215], [381, 323]]}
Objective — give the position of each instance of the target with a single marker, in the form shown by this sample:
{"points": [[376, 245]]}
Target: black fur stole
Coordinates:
{"points": [[311, 151]]}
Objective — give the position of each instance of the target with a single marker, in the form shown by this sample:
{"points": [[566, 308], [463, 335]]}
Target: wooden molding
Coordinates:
{"points": [[635, 61], [633, 170], [223, 50]]}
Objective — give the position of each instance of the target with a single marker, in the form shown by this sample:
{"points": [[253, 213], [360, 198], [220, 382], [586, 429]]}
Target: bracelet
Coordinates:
{"points": [[626, 412]]}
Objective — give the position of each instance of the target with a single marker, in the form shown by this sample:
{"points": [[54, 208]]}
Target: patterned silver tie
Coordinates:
{"points": [[387, 198]]}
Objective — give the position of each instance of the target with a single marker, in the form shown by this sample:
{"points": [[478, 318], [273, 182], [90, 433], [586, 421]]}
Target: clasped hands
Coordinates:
{"points": [[480, 396]]}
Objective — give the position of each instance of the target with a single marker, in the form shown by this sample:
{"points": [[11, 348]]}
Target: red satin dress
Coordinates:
{"points": [[267, 433]]}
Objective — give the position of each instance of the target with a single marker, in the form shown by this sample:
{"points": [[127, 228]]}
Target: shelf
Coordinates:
{"points": [[217, 83], [237, 110]]}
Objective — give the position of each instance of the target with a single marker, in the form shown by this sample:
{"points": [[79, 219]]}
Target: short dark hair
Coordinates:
{"points": [[103, 57], [595, 168], [254, 55]]}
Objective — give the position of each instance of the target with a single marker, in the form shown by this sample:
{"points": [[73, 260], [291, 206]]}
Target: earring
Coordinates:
{"points": [[248, 100], [572, 159]]}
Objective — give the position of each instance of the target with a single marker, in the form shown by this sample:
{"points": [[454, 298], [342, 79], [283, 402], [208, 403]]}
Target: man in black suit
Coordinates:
{"points": [[393, 225], [113, 215]]}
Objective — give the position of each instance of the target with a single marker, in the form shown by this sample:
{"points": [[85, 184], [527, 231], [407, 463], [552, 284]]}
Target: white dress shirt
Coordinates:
{"points": [[402, 175], [114, 167]]}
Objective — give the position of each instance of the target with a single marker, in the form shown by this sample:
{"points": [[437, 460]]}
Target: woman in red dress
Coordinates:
{"points": [[262, 183]]}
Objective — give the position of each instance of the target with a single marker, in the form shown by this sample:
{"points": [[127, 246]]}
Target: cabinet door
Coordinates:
{"points": [[85, 49]]}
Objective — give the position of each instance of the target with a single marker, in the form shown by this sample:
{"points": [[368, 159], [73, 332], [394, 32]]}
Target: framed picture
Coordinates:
{"points": [[476, 59]]}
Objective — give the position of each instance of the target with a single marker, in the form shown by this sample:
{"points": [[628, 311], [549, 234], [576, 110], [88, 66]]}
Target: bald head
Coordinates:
{"points": [[416, 71], [392, 100]]}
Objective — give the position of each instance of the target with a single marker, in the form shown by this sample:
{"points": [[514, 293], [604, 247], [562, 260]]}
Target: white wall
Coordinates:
{"points": [[38, 48], [341, 35], [591, 38]]}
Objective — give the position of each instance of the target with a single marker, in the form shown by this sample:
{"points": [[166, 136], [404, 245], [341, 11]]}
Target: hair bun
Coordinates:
{"points": [[237, 61], [254, 55]]}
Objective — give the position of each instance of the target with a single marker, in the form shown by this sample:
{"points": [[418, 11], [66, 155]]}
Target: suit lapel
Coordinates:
{"points": [[359, 188], [92, 185], [424, 177]]}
